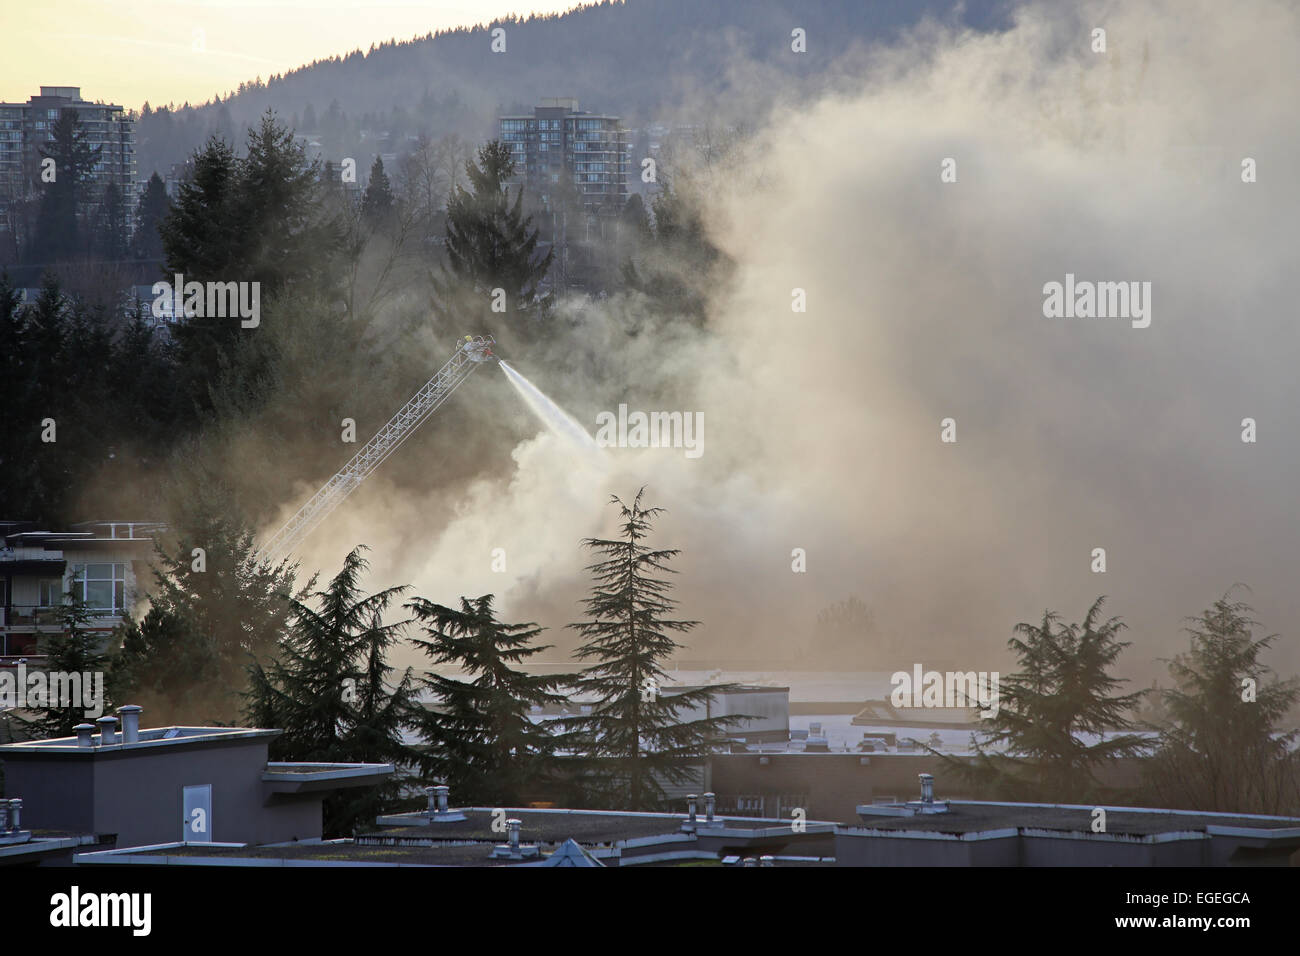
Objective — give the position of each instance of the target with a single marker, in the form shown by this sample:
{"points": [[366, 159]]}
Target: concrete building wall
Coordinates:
{"points": [[53, 801], [137, 793], [859, 849], [854, 849], [1085, 851]]}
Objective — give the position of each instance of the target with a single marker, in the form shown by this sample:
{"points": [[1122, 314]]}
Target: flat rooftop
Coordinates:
{"points": [[965, 817], [587, 827], [410, 840], [342, 852], [152, 737]]}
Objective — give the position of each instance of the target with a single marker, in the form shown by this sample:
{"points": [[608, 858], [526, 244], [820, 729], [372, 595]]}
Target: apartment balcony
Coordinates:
{"points": [[22, 626], [43, 619], [30, 617]]}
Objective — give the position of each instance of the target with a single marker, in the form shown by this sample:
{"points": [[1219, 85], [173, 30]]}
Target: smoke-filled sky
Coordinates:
{"points": [[161, 51], [925, 302]]}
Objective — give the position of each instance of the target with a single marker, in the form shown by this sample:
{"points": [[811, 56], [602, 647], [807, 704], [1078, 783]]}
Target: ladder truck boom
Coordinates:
{"points": [[472, 352]]}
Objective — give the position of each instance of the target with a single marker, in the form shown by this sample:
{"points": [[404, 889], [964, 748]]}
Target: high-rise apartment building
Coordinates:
{"points": [[560, 143], [26, 127]]}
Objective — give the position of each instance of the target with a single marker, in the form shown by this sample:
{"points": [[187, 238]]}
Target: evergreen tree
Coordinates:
{"points": [[255, 220], [634, 730], [55, 362], [1058, 716], [163, 663], [106, 397], [278, 209], [111, 237], [215, 604], [73, 649], [491, 245], [146, 242], [377, 203], [482, 741], [140, 376], [202, 240], [672, 268], [1223, 746], [328, 688], [201, 237], [23, 488], [635, 222], [58, 234]]}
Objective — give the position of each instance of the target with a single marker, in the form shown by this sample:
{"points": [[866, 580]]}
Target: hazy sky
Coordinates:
{"points": [[925, 301], [130, 51]]}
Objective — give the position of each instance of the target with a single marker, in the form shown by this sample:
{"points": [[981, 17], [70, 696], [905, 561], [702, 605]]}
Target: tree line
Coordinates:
{"points": [[1218, 739], [227, 641], [343, 277]]}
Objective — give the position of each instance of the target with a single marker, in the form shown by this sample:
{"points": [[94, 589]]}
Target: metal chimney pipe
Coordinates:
{"points": [[927, 787], [514, 826], [4, 816], [692, 800], [107, 730], [709, 800], [428, 792], [130, 723], [442, 791], [16, 813], [84, 732]]}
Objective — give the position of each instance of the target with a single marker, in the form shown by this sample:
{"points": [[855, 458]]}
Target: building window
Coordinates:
{"points": [[51, 592], [102, 587]]}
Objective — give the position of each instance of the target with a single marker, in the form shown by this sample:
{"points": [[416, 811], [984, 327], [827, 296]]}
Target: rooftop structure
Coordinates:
{"points": [[507, 836], [192, 784], [931, 832]]}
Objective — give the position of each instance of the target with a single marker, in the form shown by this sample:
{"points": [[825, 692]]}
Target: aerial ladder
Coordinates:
{"points": [[472, 352]]}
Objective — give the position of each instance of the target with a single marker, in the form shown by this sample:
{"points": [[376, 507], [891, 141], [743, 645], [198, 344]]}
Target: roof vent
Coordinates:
{"points": [[438, 810], [130, 723], [107, 730], [11, 829], [513, 850], [927, 803], [84, 735]]}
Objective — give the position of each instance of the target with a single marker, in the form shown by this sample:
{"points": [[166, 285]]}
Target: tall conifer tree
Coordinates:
{"points": [[634, 729], [331, 691], [1058, 717], [491, 245], [482, 739], [1225, 744]]}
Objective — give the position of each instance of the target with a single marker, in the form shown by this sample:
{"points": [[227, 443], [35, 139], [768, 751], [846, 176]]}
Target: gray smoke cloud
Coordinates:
{"points": [[925, 302]]}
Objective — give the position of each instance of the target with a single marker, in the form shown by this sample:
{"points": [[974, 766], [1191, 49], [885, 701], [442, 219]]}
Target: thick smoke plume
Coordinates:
{"points": [[925, 302]]}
